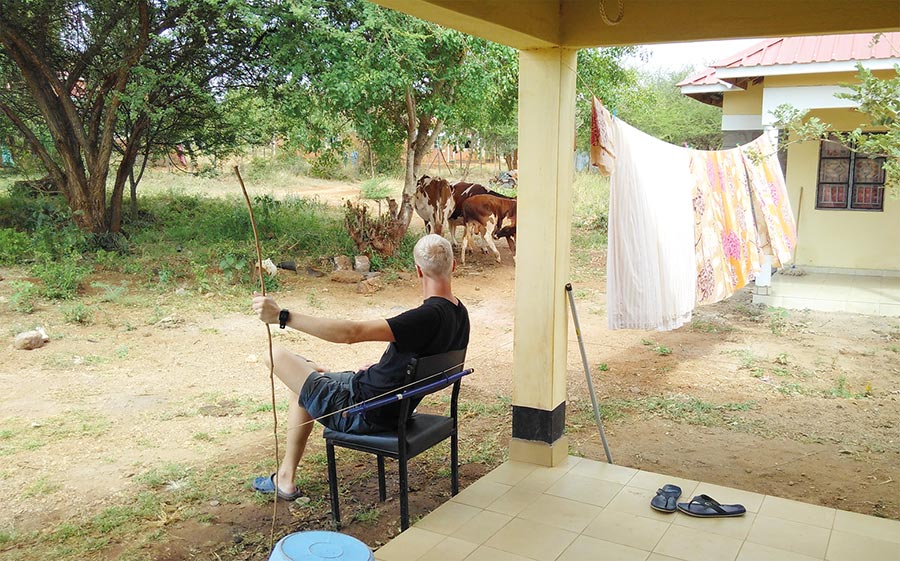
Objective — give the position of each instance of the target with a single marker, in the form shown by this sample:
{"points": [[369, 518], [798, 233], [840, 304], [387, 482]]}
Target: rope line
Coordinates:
{"points": [[493, 351], [399, 389], [619, 15]]}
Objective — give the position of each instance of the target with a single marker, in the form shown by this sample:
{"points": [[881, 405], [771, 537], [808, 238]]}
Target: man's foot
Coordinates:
{"points": [[266, 485]]}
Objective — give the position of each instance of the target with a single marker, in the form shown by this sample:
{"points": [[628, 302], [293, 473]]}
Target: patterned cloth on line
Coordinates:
{"points": [[686, 227]]}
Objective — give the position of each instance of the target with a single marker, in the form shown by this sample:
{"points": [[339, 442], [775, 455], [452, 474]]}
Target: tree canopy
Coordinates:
{"points": [[657, 107], [95, 87], [98, 76]]}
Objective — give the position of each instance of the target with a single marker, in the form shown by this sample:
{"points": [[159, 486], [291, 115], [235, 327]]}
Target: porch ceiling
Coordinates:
{"points": [[533, 24]]}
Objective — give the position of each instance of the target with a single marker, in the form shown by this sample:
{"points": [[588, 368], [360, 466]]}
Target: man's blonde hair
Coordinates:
{"points": [[434, 255]]}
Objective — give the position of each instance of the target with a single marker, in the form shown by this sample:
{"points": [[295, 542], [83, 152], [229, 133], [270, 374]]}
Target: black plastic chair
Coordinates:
{"points": [[421, 432]]}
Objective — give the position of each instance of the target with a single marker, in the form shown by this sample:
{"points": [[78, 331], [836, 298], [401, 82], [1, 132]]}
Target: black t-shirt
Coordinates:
{"points": [[435, 327]]}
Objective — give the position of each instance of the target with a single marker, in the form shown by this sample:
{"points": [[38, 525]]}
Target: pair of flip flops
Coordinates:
{"points": [[701, 506], [267, 486]]}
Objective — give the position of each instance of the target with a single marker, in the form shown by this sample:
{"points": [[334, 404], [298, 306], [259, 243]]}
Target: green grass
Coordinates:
{"points": [[17, 435], [376, 189], [159, 476], [495, 408], [678, 408], [841, 389], [109, 292], [778, 322], [41, 486], [748, 360], [24, 297], [750, 312], [710, 326], [77, 313], [317, 459], [487, 451], [661, 350], [367, 515], [589, 224], [590, 200], [692, 410]]}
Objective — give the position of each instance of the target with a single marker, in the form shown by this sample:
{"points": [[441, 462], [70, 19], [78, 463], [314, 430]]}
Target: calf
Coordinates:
{"points": [[483, 215], [508, 232], [433, 201], [462, 191]]}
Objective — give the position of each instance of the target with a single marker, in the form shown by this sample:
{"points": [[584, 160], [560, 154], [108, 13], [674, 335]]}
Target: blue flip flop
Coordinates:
{"points": [[266, 485], [665, 498], [704, 506]]}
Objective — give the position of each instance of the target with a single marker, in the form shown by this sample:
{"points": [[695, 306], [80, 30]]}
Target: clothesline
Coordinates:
{"points": [[686, 227]]}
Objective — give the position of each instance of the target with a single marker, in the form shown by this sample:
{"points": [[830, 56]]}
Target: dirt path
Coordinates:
{"points": [[166, 393]]}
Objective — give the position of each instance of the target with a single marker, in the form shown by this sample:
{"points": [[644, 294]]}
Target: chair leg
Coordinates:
{"points": [[404, 498], [454, 464], [333, 486], [382, 492]]}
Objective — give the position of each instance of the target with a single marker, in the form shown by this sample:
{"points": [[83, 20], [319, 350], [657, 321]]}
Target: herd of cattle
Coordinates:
{"points": [[481, 212]]}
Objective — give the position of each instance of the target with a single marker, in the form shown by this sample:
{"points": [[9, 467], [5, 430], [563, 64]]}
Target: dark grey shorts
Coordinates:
{"points": [[324, 393]]}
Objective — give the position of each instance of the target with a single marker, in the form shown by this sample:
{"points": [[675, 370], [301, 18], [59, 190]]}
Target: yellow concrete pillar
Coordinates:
{"points": [[546, 173]]}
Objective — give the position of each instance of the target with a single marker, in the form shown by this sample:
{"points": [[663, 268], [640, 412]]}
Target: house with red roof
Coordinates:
{"points": [[846, 221]]}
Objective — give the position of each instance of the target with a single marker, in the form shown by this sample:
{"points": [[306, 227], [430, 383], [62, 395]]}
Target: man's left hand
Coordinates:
{"points": [[266, 308]]}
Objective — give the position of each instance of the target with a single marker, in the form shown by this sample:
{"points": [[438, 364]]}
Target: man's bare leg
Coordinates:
{"points": [[299, 427], [293, 370]]}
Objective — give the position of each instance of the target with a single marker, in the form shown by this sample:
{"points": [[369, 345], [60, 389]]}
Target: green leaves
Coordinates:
{"points": [[879, 99], [656, 106]]}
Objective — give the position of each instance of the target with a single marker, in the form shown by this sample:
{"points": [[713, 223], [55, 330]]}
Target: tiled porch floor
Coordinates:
{"points": [[829, 292], [588, 510]]}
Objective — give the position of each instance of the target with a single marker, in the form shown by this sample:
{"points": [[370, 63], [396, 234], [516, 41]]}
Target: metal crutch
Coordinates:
{"points": [[587, 373]]}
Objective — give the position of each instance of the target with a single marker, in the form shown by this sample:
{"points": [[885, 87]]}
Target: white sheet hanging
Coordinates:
{"points": [[651, 275]]}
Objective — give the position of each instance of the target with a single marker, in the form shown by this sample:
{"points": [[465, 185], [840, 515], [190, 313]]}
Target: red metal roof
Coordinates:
{"points": [[804, 50], [822, 48]]}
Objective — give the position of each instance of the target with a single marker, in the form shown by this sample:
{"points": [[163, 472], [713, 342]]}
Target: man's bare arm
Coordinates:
{"points": [[333, 330]]}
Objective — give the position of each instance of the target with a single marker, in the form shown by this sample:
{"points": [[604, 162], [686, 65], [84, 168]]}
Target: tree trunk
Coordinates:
{"points": [[126, 169], [83, 138], [512, 159]]}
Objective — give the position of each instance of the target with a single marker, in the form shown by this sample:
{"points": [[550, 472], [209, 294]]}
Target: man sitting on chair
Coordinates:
{"points": [[440, 324]]}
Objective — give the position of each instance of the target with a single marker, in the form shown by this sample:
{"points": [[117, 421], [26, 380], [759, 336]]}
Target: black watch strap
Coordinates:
{"points": [[283, 317]]}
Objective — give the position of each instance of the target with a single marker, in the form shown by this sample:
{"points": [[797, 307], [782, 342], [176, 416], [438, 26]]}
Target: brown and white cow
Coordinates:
{"points": [[483, 215], [433, 201], [462, 191]]}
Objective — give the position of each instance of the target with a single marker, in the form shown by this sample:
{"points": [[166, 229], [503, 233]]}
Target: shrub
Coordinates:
{"points": [[327, 166], [61, 278], [235, 267], [15, 247], [110, 292], [375, 189], [108, 260], [23, 297], [78, 313]]}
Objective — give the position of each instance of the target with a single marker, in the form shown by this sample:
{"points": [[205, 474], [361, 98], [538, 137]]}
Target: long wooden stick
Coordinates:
{"points": [[262, 287]]}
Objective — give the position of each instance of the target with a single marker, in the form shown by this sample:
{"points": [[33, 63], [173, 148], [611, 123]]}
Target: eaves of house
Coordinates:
{"points": [[795, 56]]}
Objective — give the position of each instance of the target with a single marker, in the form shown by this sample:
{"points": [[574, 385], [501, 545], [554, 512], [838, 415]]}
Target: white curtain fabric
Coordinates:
{"points": [[651, 272]]}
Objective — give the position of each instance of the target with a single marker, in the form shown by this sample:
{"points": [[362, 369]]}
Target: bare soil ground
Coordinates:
{"points": [[136, 437]]}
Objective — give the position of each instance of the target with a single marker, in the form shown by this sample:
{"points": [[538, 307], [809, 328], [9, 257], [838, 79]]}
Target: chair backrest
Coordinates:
{"points": [[427, 370]]}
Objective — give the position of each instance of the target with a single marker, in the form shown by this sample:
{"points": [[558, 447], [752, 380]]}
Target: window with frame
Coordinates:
{"points": [[849, 180]]}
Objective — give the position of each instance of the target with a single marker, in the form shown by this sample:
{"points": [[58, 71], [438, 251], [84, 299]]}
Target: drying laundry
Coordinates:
{"points": [[650, 260], [772, 208], [686, 227], [725, 238]]}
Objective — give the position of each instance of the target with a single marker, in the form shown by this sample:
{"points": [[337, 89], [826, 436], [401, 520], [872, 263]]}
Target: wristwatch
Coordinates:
{"points": [[283, 317]]}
